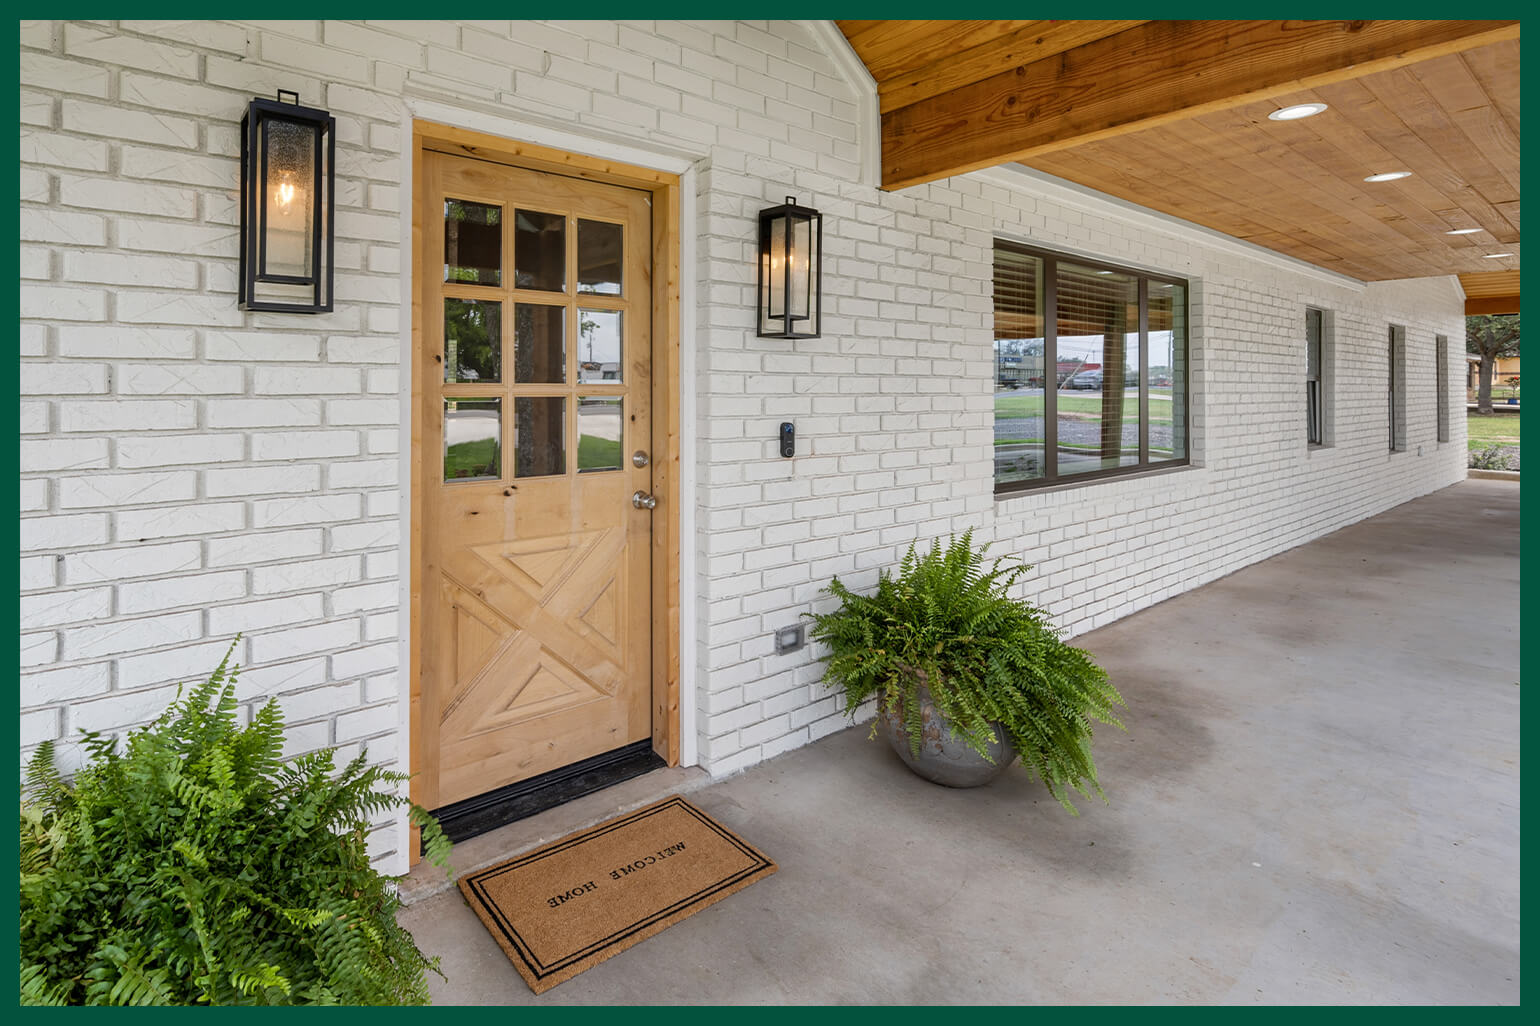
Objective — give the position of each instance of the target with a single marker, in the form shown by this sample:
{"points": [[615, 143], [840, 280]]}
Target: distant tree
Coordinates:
{"points": [[1491, 337]]}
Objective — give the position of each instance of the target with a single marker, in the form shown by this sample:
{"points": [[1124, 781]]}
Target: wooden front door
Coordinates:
{"points": [[535, 595]]}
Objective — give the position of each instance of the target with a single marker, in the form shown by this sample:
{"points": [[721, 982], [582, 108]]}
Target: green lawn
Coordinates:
{"points": [[471, 459], [479, 458], [1492, 429], [596, 453], [1089, 405]]}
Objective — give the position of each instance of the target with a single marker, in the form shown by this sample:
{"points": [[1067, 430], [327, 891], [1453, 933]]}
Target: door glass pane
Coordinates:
{"points": [[1019, 392], [1168, 371], [599, 433], [599, 346], [473, 243], [539, 251], [473, 341], [539, 344], [599, 257], [539, 436], [1098, 336], [473, 432]]}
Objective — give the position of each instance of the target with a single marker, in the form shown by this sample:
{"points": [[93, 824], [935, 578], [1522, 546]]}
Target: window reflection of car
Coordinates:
{"points": [[1085, 379], [467, 374]]}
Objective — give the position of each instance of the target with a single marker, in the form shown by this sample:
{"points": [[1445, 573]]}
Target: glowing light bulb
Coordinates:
{"points": [[285, 194]]}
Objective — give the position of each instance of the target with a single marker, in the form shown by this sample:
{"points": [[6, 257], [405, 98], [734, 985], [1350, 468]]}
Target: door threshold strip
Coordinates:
{"points": [[484, 812]]}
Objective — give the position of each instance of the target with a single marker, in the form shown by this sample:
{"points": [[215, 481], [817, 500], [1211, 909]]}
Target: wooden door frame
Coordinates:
{"points": [[664, 189]]}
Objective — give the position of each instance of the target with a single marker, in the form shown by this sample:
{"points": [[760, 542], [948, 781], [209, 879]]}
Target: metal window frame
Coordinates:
{"points": [[1396, 385], [1441, 380], [1051, 477], [1315, 408]]}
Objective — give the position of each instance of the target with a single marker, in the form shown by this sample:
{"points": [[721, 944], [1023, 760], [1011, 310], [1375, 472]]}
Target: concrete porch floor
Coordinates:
{"points": [[1316, 801]]}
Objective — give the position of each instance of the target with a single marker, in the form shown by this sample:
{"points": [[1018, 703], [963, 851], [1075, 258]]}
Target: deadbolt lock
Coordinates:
{"points": [[639, 459]]}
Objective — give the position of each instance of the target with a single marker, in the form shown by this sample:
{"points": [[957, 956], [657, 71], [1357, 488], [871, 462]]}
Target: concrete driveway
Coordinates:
{"points": [[1316, 801]]}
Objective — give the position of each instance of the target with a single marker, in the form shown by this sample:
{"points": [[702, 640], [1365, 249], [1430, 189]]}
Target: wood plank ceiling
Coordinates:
{"points": [[1173, 115]]}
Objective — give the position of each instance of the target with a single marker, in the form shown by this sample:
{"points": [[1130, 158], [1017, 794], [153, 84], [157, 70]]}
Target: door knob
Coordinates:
{"points": [[641, 500]]}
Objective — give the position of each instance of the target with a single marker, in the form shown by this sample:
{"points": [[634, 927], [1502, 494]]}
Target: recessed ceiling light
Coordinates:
{"points": [[1294, 113], [1388, 176], [1462, 231], [1495, 256]]}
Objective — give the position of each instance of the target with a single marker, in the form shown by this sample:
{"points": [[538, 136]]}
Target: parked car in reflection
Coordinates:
{"points": [[1091, 379]]}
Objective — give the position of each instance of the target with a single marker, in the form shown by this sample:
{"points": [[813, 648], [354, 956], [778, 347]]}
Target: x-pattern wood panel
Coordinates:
{"points": [[538, 615], [517, 680]]}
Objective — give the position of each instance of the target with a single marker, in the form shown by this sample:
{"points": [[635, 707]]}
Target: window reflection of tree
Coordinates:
{"points": [[539, 423], [473, 238], [539, 351], [540, 250], [473, 343]]}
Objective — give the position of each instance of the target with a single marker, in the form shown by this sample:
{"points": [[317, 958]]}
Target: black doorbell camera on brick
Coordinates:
{"points": [[788, 439]]}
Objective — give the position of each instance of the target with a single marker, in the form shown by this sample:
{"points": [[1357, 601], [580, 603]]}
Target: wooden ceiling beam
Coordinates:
{"points": [[1491, 292], [1486, 284], [1492, 305], [951, 59], [1156, 73], [889, 48]]}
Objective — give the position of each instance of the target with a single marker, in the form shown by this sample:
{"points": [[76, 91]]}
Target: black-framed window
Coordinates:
{"points": [[1315, 399], [1090, 369], [1395, 380], [1441, 382]]}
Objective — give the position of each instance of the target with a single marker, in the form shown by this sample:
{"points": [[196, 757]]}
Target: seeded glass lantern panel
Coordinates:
{"points": [[287, 206], [790, 271]]}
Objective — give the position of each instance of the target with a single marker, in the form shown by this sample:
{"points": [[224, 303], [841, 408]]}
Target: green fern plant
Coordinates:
{"points": [[945, 621], [196, 866]]}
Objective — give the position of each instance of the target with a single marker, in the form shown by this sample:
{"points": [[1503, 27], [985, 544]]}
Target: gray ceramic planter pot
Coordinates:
{"points": [[943, 758]]}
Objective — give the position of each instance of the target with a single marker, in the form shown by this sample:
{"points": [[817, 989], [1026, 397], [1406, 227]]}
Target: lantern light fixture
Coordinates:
{"points": [[288, 206], [790, 291]]}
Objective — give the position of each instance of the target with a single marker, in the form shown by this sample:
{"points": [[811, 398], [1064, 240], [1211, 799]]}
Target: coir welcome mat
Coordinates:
{"points": [[570, 905]]}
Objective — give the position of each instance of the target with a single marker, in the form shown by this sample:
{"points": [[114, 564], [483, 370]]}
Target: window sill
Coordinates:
{"points": [[1073, 485]]}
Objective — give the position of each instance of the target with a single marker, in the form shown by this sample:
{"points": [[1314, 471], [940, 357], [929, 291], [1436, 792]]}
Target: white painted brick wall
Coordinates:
{"points": [[190, 471]]}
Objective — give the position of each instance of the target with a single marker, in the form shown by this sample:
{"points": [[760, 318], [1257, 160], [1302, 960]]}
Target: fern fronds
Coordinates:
{"points": [[37, 989], [991, 663], [191, 865]]}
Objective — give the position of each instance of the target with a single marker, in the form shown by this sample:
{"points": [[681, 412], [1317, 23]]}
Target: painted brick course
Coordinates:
{"points": [[191, 471]]}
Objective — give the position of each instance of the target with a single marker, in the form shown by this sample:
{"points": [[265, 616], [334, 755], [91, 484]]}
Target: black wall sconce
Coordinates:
{"points": [[288, 209], [790, 271]]}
